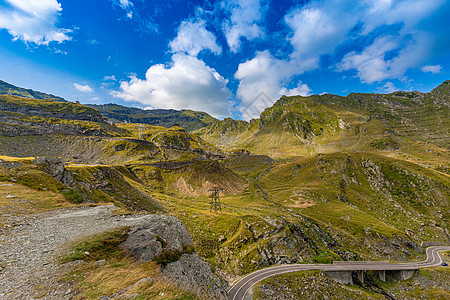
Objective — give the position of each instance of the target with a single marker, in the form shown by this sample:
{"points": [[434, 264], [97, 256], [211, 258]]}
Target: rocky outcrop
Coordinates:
{"points": [[10, 164], [67, 112], [190, 120], [165, 240], [55, 167], [20, 125], [10, 130], [193, 273], [163, 233]]}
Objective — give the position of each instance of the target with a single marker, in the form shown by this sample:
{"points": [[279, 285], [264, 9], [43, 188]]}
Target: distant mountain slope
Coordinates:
{"points": [[75, 132], [7, 88], [49, 108], [20, 116], [298, 125], [188, 119]]}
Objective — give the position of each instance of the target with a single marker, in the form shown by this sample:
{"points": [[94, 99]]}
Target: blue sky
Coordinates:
{"points": [[220, 56]]}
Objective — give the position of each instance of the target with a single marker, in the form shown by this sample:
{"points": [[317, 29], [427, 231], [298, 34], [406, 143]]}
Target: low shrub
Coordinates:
{"points": [[73, 196], [172, 255], [99, 246]]}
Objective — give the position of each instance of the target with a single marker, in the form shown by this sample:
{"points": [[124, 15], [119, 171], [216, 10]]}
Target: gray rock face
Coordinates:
{"points": [[15, 126], [166, 233], [195, 274], [10, 164], [162, 233], [10, 130], [55, 167], [142, 245], [92, 116]]}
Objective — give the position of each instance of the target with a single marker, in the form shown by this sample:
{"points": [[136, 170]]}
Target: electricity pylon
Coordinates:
{"points": [[141, 129], [215, 201]]}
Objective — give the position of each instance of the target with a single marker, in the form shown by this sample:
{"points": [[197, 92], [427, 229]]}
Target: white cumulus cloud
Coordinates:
{"points": [[432, 69], [301, 89], [320, 27], [244, 21], [267, 75], [83, 88], [193, 37], [187, 83], [317, 30], [34, 21]]}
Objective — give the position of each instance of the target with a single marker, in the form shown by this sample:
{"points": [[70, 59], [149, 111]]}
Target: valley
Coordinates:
{"points": [[313, 180]]}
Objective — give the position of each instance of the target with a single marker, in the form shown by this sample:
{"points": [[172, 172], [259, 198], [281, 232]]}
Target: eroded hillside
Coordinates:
{"points": [[314, 179]]}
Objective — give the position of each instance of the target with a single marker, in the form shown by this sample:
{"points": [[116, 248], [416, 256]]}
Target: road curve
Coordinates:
{"points": [[241, 287]]}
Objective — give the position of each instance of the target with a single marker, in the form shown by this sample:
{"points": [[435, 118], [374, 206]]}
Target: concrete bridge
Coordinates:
{"points": [[346, 275], [341, 271]]}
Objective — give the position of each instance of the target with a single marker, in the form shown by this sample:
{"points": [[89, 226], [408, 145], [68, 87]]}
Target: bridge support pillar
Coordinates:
{"points": [[382, 275], [343, 277], [404, 274], [360, 276]]}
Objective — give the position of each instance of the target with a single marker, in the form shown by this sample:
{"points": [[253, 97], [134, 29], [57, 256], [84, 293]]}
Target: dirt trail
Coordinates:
{"points": [[29, 250]]}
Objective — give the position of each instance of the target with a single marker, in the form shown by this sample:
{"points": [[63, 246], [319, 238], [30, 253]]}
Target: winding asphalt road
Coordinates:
{"points": [[241, 287]]}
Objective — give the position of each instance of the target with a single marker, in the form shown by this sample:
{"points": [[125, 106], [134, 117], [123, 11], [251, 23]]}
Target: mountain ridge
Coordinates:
{"points": [[188, 119], [361, 177], [7, 88], [297, 125]]}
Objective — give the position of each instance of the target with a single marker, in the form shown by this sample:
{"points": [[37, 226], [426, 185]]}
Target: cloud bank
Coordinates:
{"points": [[381, 40], [34, 21], [371, 40], [186, 83]]}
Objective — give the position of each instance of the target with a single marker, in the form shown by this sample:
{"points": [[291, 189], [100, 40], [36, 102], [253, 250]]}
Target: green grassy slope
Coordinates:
{"points": [[296, 126], [362, 193], [317, 209], [6, 88], [32, 127], [360, 177], [175, 137], [49, 108], [188, 119], [25, 124]]}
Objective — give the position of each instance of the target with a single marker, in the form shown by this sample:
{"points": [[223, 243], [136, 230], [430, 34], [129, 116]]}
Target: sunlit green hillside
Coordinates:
{"points": [[303, 126]]}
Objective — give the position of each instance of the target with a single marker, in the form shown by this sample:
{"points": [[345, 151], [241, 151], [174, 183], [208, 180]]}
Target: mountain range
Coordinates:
{"points": [[314, 179]]}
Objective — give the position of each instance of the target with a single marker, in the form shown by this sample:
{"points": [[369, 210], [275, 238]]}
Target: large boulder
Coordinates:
{"points": [[55, 167], [148, 241], [193, 273], [164, 239]]}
